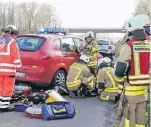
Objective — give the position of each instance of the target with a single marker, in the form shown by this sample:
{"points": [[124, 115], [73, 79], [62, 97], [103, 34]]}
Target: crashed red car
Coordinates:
{"points": [[46, 57]]}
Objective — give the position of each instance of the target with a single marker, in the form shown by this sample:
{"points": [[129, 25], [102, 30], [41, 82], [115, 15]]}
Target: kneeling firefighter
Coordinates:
{"points": [[132, 71], [79, 80], [107, 86]]}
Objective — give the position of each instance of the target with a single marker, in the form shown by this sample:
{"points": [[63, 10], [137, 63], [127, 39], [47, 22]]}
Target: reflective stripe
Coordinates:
{"points": [[140, 82], [5, 103], [111, 90], [79, 69], [91, 56], [114, 88], [74, 83], [127, 123], [7, 65], [95, 49], [118, 79], [135, 93], [91, 84], [92, 63], [7, 70], [146, 114], [10, 65], [18, 66], [140, 125], [4, 106], [139, 76], [6, 98], [135, 87], [110, 77], [17, 61], [136, 64], [104, 98], [7, 53]]}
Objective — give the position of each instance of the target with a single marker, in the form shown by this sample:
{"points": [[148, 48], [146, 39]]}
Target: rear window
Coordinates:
{"points": [[101, 42], [30, 43]]}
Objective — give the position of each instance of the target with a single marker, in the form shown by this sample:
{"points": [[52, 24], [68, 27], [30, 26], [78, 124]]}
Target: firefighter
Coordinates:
{"points": [[9, 61], [79, 80], [132, 71], [107, 87], [91, 49]]}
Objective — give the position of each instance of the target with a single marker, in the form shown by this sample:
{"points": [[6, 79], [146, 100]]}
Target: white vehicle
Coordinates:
{"points": [[106, 48]]}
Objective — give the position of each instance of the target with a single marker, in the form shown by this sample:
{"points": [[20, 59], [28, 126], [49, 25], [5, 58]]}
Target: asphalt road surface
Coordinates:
{"points": [[91, 112]]}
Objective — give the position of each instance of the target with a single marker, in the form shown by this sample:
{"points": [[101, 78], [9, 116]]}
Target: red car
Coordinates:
{"points": [[46, 57]]}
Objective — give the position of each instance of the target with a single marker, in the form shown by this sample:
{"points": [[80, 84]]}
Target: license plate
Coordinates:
{"points": [[20, 74]]}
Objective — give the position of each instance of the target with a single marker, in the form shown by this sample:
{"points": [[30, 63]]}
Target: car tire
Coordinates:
{"points": [[59, 75]]}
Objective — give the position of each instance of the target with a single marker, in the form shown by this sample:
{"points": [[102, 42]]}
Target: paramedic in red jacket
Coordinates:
{"points": [[9, 61]]}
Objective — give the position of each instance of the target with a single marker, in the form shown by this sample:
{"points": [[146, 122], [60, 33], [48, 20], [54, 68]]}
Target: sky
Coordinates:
{"points": [[92, 13]]}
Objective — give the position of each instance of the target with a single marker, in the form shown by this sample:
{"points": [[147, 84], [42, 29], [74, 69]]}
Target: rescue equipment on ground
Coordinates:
{"points": [[17, 96], [48, 105], [34, 111], [22, 87], [58, 110], [20, 107], [53, 96]]}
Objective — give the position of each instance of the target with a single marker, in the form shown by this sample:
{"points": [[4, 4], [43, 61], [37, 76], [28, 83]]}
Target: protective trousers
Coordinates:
{"points": [[93, 70], [134, 115], [6, 90]]}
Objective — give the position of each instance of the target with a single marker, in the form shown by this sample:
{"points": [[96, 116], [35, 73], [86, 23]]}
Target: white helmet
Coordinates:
{"points": [[84, 58], [89, 34], [11, 29], [106, 60], [134, 24], [143, 18]]}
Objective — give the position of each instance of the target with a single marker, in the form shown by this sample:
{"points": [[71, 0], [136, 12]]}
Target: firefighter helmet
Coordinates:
{"points": [[106, 61], [10, 29], [89, 34], [143, 18], [84, 58], [134, 23], [145, 22]]}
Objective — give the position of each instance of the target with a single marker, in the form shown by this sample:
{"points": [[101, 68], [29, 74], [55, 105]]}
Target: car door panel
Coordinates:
{"points": [[68, 50]]}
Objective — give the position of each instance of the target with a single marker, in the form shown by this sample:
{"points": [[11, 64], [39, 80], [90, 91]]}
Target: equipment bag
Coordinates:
{"points": [[58, 110], [34, 112], [20, 107], [24, 88], [17, 96]]}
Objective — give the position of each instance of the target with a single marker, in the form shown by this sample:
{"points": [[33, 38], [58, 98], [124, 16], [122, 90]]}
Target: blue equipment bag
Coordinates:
{"points": [[20, 107], [58, 110]]}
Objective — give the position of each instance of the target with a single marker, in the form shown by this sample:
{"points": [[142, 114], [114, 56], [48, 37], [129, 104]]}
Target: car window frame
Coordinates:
{"points": [[55, 44], [44, 40], [74, 38], [62, 43]]}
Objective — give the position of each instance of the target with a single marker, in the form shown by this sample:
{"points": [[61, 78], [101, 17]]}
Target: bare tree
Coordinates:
{"points": [[11, 13], [143, 7], [28, 17]]}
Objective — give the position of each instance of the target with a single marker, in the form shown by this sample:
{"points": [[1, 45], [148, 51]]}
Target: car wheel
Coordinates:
{"points": [[59, 78]]}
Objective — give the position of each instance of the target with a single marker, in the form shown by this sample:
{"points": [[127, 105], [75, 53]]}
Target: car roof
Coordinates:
{"points": [[49, 36]]}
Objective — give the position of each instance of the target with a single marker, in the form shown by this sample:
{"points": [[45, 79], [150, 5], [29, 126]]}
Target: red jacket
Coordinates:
{"points": [[9, 55], [139, 72]]}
